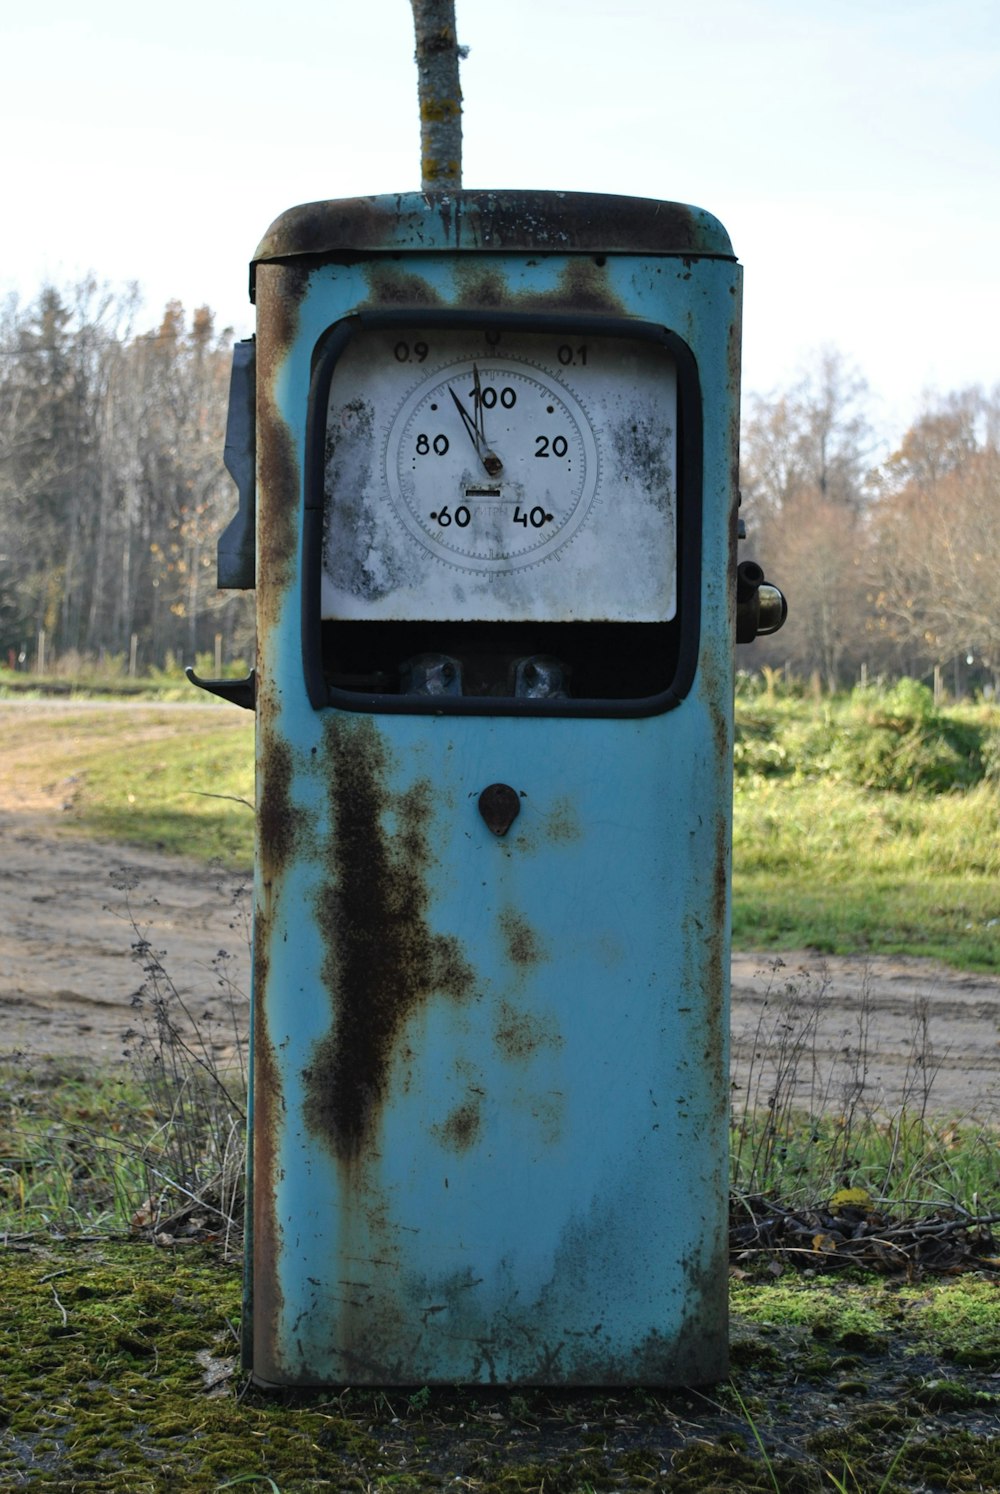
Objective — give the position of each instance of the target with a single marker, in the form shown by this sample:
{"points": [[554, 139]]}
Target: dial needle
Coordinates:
{"points": [[489, 459]]}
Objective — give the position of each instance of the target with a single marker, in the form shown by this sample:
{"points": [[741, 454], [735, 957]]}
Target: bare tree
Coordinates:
{"points": [[805, 481], [936, 558], [815, 438], [112, 486], [820, 558]]}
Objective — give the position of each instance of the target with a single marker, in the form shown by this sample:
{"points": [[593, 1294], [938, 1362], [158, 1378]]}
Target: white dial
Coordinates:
{"points": [[478, 473], [492, 463]]}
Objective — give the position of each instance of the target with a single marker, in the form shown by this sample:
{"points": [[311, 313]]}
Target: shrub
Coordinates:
{"points": [[891, 739]]}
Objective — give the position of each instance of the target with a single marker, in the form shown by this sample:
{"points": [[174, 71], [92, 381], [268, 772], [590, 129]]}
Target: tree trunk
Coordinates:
{"points": [[439, 94]]}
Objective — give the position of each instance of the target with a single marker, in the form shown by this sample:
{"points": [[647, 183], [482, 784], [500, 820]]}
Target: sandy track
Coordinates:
{"points": [[69, 966], [68, 975], [910, 1029]]}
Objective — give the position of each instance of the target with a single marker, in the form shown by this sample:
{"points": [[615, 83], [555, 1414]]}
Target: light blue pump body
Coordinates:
{"points": [[490, 1067]]}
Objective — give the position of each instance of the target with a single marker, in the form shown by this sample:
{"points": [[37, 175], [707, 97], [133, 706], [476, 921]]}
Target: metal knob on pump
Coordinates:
{"points": [[761, 607]]}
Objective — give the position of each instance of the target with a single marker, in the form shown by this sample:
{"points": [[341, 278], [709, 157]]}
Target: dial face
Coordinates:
{"points": [[510, 447], [485, 475]]}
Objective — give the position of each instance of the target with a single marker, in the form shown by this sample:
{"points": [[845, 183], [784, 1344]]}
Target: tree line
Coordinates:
{"points": [[892, 564], [113, 495], [112, 488]]}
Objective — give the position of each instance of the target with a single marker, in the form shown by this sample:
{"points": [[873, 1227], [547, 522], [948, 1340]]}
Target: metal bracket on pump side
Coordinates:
{"points": [[236, 554], [238, 692], [760, 607]]}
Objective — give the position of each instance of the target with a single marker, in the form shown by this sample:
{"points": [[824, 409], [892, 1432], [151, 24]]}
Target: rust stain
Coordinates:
{"points": [[279, 498], [278, 821], [734, 373], [462, 1127], [583, 286], [278, 824], [545, 222], [519, 1034], [717, 971], [391, 286], [716, 673], [548, 1112], [523, 945], [263, 1312], [382, 959], [562, 824], [481, 286]]}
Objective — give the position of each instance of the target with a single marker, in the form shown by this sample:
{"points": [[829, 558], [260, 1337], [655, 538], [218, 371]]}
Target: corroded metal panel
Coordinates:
{"points": [[558, 222], [490, 1089]]}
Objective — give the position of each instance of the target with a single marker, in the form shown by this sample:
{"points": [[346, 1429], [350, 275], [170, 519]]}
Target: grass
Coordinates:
{"points": [[119, 1150], [62, 1164], [816, 1152], [175, 777], [868, 823], [190, 792], [154, 1144], [162, 1136], [830, 852], [836, 867]]}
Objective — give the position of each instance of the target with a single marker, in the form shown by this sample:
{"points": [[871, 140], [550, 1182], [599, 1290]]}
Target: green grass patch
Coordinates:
{"points": [[129, 1145], [868, 824], [845, 870], [172, 777], [192, 797], [67, 1159], [906, 1161]]}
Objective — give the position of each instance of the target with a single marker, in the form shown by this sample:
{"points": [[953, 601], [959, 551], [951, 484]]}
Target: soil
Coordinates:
{"points": [[73, 915], [72, 912], [904, 1030]]}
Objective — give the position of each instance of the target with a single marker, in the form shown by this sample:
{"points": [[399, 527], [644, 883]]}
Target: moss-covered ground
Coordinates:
{"points": [[120, 1373]]}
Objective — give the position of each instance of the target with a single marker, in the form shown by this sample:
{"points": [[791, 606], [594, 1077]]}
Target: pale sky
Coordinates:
{"points": [[851, 149]]}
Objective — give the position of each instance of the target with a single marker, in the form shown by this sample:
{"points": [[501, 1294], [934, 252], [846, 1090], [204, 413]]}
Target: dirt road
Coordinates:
{"points": [[69, 965], [68, 972]]}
